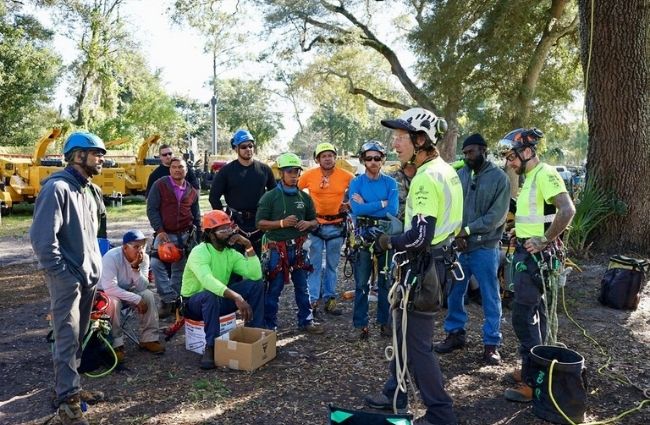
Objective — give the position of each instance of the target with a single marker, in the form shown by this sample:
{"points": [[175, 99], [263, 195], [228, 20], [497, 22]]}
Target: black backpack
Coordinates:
{"points": [[623, 282]]}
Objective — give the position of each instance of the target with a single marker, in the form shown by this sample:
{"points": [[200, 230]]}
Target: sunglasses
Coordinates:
{"points": [[373, 158], [251, 146], [166, 154]]}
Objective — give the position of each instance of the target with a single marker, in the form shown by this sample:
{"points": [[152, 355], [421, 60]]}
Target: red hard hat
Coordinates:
{"points": [[214, 219], [169, 253]]}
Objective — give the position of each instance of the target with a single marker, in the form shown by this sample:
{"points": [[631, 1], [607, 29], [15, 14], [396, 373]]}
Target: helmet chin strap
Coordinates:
{"points": [[522, 167]]}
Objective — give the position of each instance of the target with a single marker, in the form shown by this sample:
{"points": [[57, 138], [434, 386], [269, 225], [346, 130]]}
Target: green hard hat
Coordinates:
{"points": [[323, 147], [289, 160]]}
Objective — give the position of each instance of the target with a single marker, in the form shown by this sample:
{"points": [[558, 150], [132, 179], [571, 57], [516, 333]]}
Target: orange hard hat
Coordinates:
{"points": [[214, 219], [169, 253]]}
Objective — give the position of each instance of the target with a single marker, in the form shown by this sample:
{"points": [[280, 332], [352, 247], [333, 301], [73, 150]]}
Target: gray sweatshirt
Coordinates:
{"points": [[486, 200], [64, 230]]}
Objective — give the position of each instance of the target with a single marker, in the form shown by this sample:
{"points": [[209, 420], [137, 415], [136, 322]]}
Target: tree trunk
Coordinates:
{"points": [[618, 112]]}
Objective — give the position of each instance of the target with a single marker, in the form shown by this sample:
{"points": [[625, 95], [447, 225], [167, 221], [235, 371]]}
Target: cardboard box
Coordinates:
{"points": [[245, 348], [195, 334]]}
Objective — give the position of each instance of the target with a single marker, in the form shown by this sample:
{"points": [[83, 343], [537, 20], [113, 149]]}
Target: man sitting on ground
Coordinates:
{"points": [[125, 279], [207, 292]]}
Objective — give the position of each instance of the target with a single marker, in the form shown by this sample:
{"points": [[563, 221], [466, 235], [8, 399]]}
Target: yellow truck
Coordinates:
{"points": [[21, 175]]}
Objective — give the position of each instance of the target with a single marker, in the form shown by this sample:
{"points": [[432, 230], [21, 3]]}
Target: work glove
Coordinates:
{"points": [[384, 242]]}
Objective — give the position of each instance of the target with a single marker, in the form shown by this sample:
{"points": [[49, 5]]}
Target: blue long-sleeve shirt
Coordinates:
{"points": [[373, 191]]}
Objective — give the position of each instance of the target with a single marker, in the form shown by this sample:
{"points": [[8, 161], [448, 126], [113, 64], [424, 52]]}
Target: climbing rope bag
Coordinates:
{"points": [[97, 348], [623, 282]]}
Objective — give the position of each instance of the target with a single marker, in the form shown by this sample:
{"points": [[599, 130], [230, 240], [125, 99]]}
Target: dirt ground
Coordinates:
{"points": [[310, 372]]}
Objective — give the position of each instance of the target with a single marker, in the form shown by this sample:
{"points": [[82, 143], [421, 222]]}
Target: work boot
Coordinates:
{"points": [[315, 311], [119, 353], [313, 328], [330, 308], [70, 412], [491, 355], [88, 396], [453, 341], [516, 376], [386, 331], [358, 334], [521, 393], [153, 347], [207, 361], [166, 310], [382, 402]]}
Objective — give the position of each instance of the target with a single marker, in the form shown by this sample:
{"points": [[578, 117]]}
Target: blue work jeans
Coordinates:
{"points": [[362, 271], [483, 263], [169, 286], [208, 307], [326, 277], [423, 366], [274, 289]]}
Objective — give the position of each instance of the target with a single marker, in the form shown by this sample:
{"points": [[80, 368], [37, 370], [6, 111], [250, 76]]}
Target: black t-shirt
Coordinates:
{"points": [[242, 186], [163, 171]]}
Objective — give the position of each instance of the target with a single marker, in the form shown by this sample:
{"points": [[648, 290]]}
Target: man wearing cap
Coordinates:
{"points": [[125, 277], [208, 291], [486, 191], [166, 153], [434, 212], [286, 214], [326, 185], [242, 183], [64, 238], [174, 215]]}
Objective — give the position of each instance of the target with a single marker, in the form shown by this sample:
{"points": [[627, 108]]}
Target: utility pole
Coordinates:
{"points": [[213, 102]]}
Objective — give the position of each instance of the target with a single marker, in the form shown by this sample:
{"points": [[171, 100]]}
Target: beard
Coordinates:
{"points": [[475, 164]]}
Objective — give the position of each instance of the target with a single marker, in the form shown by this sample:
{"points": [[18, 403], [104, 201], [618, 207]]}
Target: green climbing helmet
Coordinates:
{"points": [[289, 160]]}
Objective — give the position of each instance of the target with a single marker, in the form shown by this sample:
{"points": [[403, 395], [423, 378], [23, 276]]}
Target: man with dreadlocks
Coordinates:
{"points": [[544, 210], [207, 290], [433, 216]]}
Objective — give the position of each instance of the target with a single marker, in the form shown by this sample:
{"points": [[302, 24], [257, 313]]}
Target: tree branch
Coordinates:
{"points": [[352, 89], [373, 42]]}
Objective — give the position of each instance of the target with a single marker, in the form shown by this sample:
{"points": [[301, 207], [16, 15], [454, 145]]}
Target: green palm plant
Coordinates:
{"points": [[593, 206]]}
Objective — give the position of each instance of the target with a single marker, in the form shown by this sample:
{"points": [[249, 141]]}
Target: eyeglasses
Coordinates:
{"points": [[250, 146], [136, 246], [510, 157], [166, 154], [373, 158], [402, 136]]}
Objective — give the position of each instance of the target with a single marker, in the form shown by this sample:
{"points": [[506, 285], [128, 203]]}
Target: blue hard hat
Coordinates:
{"points": [[372, 145], [83, 140], [241, 136]]}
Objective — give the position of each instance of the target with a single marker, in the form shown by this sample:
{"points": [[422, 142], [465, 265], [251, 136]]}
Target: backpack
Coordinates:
{"points": [[623, 282]]}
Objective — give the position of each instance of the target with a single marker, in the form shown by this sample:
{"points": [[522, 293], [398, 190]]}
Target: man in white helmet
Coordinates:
{"points": [[433, 216]]}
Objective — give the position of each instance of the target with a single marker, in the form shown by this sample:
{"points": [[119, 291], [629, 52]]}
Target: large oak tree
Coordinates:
{"points": [[615, 43]]}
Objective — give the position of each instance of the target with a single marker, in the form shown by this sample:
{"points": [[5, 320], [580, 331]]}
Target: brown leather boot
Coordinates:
{"points": [[70, 412], [520, 393]]}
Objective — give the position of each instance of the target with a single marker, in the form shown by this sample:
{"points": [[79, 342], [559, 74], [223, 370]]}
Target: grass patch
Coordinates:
{"points": [[206, 389], [18, 222]]}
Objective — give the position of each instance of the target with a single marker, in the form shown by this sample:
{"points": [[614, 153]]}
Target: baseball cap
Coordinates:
{"points": [[133, 235]]}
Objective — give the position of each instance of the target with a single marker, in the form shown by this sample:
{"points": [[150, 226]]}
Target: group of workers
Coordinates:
{"points": [[417, 236]]}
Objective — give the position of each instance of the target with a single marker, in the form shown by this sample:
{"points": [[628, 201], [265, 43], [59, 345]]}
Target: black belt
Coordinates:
{"points": [[246, 215]]}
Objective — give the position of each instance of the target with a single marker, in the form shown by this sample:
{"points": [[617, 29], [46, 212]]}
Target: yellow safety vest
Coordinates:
{"points": [[436, 191], [535, 210]]}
